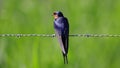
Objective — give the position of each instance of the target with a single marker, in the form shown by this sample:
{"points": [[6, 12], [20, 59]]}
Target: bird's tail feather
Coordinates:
{"points": [[65, 59]]}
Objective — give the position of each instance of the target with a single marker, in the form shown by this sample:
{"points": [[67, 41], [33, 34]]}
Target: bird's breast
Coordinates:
{"points": [[58, 25]]}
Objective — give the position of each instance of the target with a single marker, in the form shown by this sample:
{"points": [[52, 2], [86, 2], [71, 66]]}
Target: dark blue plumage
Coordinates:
{"points": [[61, 27]]}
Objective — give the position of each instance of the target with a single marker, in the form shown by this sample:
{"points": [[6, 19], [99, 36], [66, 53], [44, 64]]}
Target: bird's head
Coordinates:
{"points": [[57, 14]]}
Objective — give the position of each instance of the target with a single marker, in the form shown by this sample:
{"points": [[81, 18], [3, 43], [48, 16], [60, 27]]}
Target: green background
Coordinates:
{"points": [[35, 16]]}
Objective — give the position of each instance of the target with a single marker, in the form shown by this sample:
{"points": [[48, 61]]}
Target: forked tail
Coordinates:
{"points": [[65, 58]]}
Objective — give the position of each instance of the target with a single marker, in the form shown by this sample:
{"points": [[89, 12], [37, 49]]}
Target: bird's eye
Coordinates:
{"points": [[54, 13]]}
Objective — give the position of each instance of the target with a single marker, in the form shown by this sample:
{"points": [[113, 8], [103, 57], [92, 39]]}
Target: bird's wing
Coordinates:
{"points": [[65, 34]]}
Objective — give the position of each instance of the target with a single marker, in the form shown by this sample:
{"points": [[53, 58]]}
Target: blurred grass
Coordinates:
{"points": [[34, 16]]}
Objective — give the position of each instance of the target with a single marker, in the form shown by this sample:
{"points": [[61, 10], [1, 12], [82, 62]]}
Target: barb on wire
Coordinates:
{"points": [[53, 35]]}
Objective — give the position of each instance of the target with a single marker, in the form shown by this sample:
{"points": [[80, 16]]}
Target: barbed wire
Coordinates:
{"points": [[53, 35]]}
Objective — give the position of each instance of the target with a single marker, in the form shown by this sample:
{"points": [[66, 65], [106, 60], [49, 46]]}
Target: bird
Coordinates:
{"points": [[61, 26]]}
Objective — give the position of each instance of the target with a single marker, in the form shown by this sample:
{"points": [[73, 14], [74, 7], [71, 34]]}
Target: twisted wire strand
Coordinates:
{"points": [[53, 35]]}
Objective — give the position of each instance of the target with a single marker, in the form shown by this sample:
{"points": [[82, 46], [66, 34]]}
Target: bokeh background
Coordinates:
{"points": [[35, 16]]}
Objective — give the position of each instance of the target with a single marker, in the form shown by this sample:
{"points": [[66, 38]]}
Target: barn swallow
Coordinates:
{"points": [[61, 27]]}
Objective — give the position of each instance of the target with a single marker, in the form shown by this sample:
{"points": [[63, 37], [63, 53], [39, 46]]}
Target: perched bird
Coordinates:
{"points": [[61, 27]]}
